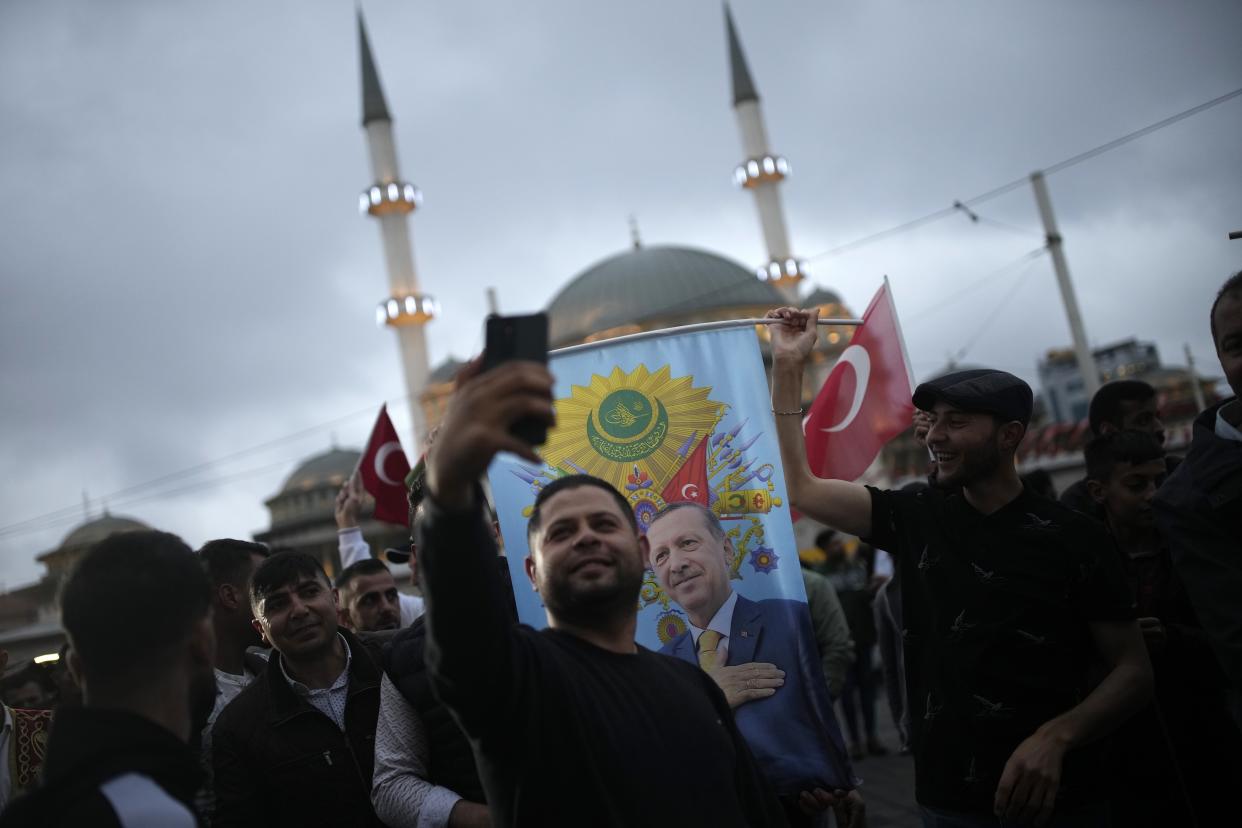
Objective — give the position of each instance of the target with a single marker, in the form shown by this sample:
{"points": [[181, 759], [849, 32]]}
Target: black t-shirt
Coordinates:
{"points": [[997, 639], [567, 733]]}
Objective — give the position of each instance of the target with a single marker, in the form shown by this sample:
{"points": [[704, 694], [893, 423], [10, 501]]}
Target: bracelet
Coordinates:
{"points": [[787, 413]]}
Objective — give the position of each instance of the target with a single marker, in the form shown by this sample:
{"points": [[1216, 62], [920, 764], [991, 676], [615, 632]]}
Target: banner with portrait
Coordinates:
{"points": [[687, 418]]}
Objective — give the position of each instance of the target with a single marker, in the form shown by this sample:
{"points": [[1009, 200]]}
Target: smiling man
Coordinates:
{"points": [[1008, 598], [297, 746], [574, 724], [761, 653]]}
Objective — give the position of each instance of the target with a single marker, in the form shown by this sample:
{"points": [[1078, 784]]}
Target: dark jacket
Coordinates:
{"points": [[111, 768], [279, 761], [451, 761], [1199, 512]]}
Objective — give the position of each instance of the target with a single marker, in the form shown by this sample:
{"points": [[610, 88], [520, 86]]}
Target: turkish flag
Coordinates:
{"points": [[383, 468], [865, 402], [690, 482]]}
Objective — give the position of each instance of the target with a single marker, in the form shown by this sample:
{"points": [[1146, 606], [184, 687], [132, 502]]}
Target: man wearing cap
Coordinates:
{"points": [[1008, 598], [354, 549]]}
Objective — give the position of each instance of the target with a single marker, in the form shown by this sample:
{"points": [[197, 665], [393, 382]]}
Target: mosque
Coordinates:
{"points": [[638, 289]]}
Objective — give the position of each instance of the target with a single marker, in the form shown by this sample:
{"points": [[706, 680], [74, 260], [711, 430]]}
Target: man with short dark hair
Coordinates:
{"points": [[574, 724], [369, 598], [296, 746], [137, 612], [1120, 405], [228, 564], [1186, 737], [1199, 508], [353, 547], [1008, 599]]}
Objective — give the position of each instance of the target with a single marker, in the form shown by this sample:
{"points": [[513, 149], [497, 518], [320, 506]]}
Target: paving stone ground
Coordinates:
{"points": [[888, 781]]}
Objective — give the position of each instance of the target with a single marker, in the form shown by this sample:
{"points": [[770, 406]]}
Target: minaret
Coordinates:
{"points": [[761, 173], [390, 200]]}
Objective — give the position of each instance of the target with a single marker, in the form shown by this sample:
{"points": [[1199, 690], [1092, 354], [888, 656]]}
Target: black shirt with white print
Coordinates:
{"points": [[997, 639]]}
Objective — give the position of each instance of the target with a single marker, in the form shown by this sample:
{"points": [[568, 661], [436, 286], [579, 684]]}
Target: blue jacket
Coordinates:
{"points": [[792, 733], [1199, 512]]}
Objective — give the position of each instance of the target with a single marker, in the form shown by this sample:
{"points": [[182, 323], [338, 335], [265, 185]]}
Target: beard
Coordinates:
{"points": [[599, 602], [975, 464]]}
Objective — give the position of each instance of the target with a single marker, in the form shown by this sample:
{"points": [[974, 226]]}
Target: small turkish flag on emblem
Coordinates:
{"points": [[865, 402], [383, 468]]}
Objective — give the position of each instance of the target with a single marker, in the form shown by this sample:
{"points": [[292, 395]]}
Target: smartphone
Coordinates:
{"points": [[518, 337]]}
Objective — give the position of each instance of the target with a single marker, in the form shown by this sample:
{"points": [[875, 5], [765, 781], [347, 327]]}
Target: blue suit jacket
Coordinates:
{"points": [[793, 733]]}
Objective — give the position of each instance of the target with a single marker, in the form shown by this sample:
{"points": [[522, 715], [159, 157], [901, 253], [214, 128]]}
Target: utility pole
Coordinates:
{"points": [[1200, 403], [1086, 360]]}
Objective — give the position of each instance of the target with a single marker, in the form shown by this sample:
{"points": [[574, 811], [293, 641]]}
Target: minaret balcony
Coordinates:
{"points": [[756, 171], [393, 197], [411, 309], [781, 272]]}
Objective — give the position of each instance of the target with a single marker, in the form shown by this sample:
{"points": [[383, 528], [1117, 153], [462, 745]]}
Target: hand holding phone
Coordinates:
{"points": [[518, 338]]}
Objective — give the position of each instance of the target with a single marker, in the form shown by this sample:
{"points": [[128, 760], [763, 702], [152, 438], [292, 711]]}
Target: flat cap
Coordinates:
{"points": [[983, 390]]}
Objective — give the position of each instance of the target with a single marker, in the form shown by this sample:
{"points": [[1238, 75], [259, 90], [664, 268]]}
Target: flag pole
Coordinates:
{"points": [[722, 325]]}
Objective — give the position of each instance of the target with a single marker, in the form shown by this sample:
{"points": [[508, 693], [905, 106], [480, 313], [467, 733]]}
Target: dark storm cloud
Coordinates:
{"points": [[185, 273]]}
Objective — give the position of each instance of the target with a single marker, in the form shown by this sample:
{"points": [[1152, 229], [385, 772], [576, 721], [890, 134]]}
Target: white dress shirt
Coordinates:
{"points": [[400, 791], [721, 622], [330, 701], [1225, 429]]}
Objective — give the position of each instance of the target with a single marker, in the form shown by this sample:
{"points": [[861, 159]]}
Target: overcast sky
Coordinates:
{"points": [[186, 276]]}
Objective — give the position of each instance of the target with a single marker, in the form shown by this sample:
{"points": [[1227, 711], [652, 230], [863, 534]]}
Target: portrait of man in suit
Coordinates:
{"points": [[761, 653]]}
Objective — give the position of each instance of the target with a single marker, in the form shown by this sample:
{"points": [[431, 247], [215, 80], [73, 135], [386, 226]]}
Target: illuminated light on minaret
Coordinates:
{"points": [[390, 199], [761, 173]]}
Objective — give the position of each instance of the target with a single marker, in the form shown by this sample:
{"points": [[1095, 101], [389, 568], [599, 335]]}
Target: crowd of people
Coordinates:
{"points": [[1071, 662]]}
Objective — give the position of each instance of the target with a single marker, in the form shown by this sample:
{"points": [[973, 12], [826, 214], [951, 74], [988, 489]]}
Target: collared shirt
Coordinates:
{"points": [[721, 622], [1226, 430], [401, 790], [330, 701], [228, 687]]}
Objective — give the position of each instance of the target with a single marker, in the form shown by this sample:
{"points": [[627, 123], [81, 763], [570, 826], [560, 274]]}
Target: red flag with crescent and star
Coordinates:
{"points": [[383, 468], [690, 482], [865, 402]]}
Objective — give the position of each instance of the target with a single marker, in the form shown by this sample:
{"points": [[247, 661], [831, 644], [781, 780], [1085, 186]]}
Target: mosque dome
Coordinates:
{"points": [[638, 289], [93, 531], [822, 296], [330, 468]]}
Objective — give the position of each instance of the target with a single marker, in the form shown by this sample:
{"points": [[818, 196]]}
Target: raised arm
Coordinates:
{"points": [[470, 633], [838, 503], [351, 545]]}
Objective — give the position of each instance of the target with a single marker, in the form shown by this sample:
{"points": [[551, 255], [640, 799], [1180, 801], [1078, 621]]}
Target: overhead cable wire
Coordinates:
{"points": [[841, 248], [991, 275], [992, 317], [1021, 182], [161, 494], [75, 511]]}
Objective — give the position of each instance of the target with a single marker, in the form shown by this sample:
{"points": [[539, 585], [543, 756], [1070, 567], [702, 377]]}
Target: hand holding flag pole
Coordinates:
{"points": [[383, 468], [865, 401]]}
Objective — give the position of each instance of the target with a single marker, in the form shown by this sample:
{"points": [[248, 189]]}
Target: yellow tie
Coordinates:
{"points": [[709, 641]]}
